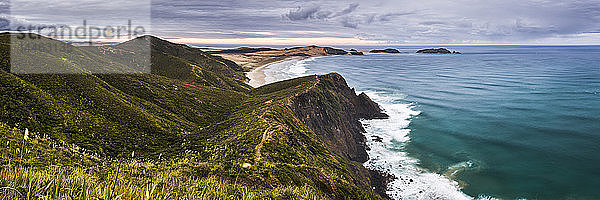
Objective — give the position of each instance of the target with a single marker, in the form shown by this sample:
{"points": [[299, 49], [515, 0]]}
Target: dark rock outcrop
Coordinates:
{"points": [[384, 51], [355, 52], [321, 50], [332, 110], [368, 109], [379, 181], [438, 51], [333, 51]]}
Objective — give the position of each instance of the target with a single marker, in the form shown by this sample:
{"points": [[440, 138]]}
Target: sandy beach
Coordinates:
{"points": [[257, 76], [255, 61]]}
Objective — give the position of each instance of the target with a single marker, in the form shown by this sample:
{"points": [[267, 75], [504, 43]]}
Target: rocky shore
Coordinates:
{"points": [[332, 110]]}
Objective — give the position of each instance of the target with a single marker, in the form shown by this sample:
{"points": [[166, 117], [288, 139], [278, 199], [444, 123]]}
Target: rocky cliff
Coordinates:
{"points": [[332, 110]]}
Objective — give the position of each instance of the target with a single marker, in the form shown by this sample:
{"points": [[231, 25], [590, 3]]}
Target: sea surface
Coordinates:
{"points": [[507, 122]]}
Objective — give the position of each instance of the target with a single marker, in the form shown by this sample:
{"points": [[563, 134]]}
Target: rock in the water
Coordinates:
{"points": [[384, 51], [438, 51], [377, 138], [355, 52]]}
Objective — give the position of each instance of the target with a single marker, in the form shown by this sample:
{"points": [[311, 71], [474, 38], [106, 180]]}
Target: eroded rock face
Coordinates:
{"points": [[332, 110], [438, 51]]}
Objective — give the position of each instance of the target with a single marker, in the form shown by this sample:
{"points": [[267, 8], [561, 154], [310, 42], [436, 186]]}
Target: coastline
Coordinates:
{"points": [[379, 179], [254, 60], [385, 178], [387, 182], [257, 77]]}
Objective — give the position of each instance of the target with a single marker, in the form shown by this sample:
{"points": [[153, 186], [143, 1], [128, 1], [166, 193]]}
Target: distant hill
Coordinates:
{"points": [[251, 58], [189, 129], [238, 50]]}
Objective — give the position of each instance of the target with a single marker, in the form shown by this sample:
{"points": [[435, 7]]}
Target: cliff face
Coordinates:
{"points": [[332, 110]]}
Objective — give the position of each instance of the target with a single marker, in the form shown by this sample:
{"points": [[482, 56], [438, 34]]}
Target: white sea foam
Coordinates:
{"points": [[286, 70], [386, 139]]}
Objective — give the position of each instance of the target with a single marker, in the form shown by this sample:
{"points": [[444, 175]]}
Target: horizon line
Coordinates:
{"points": [[299, 42]]}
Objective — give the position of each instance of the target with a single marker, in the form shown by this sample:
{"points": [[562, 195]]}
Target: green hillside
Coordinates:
{"points": [[190, 129]]}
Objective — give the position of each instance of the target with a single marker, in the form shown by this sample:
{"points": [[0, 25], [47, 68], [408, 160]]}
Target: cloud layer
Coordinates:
{"points": [[435, 21], [402, 21]]}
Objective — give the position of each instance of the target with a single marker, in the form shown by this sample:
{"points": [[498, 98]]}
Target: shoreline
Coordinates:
{"points": [[254, 60], [257, 77]]}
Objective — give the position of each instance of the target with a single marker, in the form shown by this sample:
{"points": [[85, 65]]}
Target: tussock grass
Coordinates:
{"points": [[24, 176], [56, 182]]}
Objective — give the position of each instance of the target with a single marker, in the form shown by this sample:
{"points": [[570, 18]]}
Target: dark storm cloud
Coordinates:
{"points": [[433, 21]]}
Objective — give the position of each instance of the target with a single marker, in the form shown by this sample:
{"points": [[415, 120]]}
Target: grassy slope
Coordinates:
{"points": [[192, 119], [39, 167]]}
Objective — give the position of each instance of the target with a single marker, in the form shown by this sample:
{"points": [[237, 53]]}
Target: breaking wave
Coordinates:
{"points": [[286, 70], [386, 139]]}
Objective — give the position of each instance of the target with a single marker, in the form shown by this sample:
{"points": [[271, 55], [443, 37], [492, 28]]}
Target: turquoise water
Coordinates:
{"points": [[502, 121]]}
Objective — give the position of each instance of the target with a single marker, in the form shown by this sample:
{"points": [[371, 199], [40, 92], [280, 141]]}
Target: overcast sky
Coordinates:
{"points": [[336, 21]]}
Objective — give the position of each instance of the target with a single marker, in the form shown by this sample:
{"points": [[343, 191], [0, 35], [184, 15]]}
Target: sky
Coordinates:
{"points": [[368, 22]]}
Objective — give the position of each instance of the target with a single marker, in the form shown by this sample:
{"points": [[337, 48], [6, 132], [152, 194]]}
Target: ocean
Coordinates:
{"points": [[507, 122]]}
